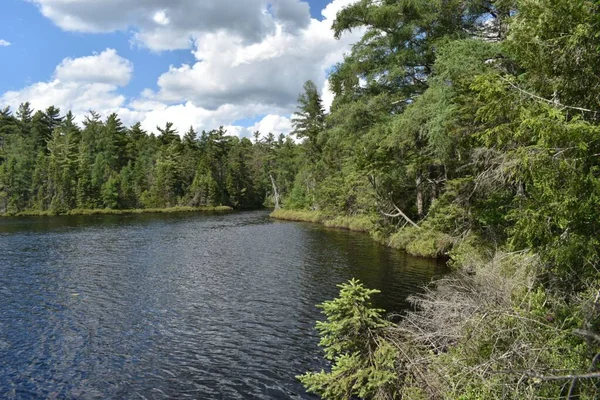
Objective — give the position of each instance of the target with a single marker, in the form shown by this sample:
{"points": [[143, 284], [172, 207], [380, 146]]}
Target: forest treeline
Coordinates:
{"points": [[50, 164], [468, 129]]}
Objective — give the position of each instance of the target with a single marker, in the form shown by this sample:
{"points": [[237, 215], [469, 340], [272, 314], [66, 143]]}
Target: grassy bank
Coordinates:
{"points": [[417, 242], [299, 215], [108, 211], [362, 223]]}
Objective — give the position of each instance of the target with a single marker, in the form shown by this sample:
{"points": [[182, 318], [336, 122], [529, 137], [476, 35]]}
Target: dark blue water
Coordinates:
{"points": [[176, 306]]}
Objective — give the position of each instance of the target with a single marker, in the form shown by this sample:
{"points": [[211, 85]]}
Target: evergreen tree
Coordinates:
{"points": [[309, 120]]}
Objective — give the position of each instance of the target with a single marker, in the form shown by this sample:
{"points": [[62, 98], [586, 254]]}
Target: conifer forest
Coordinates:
{"points": [[465, 130]]}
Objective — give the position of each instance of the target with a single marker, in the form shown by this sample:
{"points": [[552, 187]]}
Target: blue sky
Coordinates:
{"points": [[193, 62], [38, 46]]}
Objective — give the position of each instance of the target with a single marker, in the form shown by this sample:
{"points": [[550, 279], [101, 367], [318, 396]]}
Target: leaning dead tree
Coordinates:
{"points": [[387, 206], [275, 192]]}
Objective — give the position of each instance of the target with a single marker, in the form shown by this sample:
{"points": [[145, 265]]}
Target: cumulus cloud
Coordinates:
{"points": [[273, 123], [79, 84], [246, 66], [177, 20], [107, 67], [4, 43], [327, 96], [271, 71]]}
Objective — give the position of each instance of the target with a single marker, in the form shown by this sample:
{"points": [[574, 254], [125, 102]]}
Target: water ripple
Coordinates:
{"points": [[176, 306]]}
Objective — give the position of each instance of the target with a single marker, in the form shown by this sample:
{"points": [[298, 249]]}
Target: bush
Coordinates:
{"points": [[487, 332], [363, 362]]}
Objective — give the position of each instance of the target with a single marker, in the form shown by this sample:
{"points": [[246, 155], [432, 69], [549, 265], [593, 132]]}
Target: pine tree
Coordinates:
{"points": [[309, 120]]}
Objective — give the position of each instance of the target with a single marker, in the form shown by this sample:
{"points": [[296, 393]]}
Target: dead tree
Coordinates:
{"points": [[275, 192]]}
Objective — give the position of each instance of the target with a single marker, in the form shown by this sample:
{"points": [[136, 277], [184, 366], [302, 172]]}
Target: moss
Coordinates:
{"points": [[469, 253], [427, 243], [357, 223]]}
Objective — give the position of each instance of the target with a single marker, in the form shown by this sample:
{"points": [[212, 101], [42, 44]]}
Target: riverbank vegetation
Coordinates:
{"points": [[351, 223], [463, 128], [468, 128]]}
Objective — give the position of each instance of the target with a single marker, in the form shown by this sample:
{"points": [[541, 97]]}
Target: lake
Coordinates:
{"points": [[157, 306]]}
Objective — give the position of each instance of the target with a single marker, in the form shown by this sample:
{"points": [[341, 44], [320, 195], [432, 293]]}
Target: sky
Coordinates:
{"points": [[201, 63]]}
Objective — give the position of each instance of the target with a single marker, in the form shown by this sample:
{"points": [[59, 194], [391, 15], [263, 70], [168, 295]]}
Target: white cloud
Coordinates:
{"points": [[161, 18], [271, 71], [327, 96], [67, 95], [234, 80], [78, 84], [4, 43], [272, 123], [330, 11], [186, 19], [236, 75], [107, 67]]}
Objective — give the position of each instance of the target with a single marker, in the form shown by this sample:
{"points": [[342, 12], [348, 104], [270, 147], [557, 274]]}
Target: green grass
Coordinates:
{"points": [[360, 223], [421, 242], [299, 215], [417, 242], [108, 211]]}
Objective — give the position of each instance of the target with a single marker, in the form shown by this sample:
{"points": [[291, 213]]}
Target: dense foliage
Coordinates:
{"points": [[50, 164], [471, 129], [462, 128]]}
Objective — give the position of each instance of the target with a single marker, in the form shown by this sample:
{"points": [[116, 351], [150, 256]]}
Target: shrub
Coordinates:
{"points": [[363, 362]]}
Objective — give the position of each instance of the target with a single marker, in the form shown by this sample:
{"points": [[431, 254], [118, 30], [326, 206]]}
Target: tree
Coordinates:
{"points": [[113, 143], [309, 120], [25, 116], [353, 338], [167, 134]]}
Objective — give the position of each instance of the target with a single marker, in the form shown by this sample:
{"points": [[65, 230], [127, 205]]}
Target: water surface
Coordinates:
{"points": [[177, 306]]}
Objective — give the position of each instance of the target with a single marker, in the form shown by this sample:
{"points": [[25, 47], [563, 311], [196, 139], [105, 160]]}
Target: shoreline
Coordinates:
{"points": [[356, 224], [425, 247], [108, 211]]}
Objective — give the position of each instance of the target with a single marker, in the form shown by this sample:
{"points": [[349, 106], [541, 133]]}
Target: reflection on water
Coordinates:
{"points": [[177, 306]]}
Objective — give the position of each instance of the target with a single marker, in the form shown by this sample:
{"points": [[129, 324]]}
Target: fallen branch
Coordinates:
{"points": [[398, 212], [275, 192]]}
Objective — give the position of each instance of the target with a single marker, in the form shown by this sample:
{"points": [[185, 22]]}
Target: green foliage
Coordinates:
{"points": [[298, 215], [512, 334], [309, 120], [352, 336], [459, 128], [48, 164], [472, 127], [358, 223], [422, 242]]}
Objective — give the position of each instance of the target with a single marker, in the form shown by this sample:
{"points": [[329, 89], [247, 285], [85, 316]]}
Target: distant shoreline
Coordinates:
{"points": [[108, 211]]}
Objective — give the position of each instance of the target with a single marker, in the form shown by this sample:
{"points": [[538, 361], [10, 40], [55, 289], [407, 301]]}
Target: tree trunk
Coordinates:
{"points": [[420, 195], [275, 193]]}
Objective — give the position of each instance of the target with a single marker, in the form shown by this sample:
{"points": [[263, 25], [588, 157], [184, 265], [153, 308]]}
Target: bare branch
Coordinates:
{"points": [[399, 213], [396, 212], [587, 334], [532, 375], [551, 102]]}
